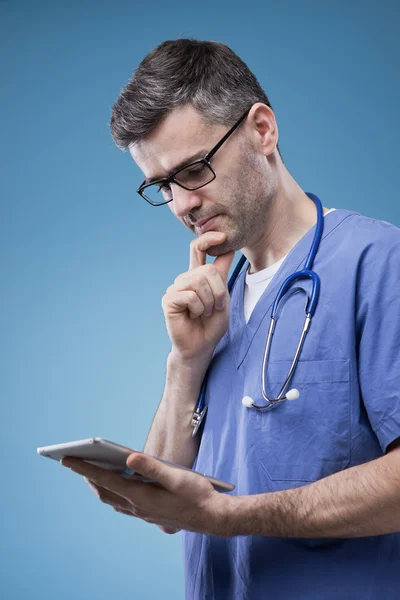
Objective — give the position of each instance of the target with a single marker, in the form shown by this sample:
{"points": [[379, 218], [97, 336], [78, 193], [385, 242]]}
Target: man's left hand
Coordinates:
{"points": [[180, 500]]}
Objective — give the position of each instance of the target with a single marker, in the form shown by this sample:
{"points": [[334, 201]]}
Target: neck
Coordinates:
{"points": [[291, 213]]}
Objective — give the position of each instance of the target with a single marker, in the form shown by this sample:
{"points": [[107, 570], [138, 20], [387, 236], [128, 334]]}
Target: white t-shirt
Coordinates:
{"points": [[256, 283]]}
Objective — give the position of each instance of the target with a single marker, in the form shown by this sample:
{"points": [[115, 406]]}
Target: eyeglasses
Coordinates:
{"points": [[193, 176]]}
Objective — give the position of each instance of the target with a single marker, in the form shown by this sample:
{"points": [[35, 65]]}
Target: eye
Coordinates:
{"points": [[165, 190], [196, 170], [192, 173]]}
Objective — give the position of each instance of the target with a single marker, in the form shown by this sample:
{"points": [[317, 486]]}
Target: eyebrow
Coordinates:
{"points": [[196, 156]]}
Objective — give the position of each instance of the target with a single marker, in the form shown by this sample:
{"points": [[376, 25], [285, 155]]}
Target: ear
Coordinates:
{"points": [[263, 126]]}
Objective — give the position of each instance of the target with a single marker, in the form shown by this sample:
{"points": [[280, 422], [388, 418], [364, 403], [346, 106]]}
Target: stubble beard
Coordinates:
{"points": [[245, 222]]}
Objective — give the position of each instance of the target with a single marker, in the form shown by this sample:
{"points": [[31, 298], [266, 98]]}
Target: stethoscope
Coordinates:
{"points": [[311, 305]]}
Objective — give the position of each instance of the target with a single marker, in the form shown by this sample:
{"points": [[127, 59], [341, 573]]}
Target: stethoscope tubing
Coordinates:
{"points": [[305, 273]]}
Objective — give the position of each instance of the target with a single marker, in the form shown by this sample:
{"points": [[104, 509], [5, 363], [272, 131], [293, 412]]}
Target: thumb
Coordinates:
{"points": [[169, 529], [223, 263], [151, 467]]}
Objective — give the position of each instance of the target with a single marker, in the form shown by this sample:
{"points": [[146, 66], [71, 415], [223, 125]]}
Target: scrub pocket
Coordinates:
{"points": [[309, 438]]}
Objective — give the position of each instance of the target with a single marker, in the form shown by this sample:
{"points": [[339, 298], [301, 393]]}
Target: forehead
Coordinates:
{"points": [[180, 135]]}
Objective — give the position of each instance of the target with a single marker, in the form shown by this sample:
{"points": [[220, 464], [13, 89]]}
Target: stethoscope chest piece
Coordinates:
{"points": [[197, 419]]}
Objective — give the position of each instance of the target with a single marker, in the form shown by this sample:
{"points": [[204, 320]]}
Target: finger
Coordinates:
{"points": [[169, 530], [154, 469], [108, 497], [179, 302], [96, 488], [168, 476], [124, 512], [199, 282], [217, 284], [223, 263], [106, 479], [199, 247]]}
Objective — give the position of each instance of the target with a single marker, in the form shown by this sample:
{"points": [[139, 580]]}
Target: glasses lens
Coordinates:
{"points": [[158, 195], [195, 175]]}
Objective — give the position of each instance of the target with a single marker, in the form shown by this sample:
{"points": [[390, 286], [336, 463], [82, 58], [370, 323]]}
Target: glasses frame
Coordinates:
{"points": [[206, 160]]}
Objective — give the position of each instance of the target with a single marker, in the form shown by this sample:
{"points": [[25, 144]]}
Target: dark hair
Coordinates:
{"points": [[207, 75]]}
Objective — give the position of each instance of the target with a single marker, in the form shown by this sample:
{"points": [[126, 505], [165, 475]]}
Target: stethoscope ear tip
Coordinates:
{"points": [[247, 401]]}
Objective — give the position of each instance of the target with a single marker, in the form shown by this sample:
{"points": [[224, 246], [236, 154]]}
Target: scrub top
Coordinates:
{"points": [[348, 413]]}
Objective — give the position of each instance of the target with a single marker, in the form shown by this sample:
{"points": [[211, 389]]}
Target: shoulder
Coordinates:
{"points": [[378, 229], [370, 238], [377, 257]]}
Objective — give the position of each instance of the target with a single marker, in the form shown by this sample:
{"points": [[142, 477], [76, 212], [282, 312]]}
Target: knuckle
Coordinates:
{"points": [[192, 296], [210, 269], [183, 280], [197, 280], [167, 294]]}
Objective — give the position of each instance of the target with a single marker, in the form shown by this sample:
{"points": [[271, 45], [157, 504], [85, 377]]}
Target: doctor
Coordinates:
{"points": [[316, 508]]}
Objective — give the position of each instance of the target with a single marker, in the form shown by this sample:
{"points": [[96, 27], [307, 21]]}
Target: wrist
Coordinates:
{"points": [[183, 383], [189, 369], [238, 515], [225, 515]]}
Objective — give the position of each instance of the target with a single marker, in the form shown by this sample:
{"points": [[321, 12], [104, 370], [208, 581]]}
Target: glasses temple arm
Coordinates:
{"points": [[218, 146]]}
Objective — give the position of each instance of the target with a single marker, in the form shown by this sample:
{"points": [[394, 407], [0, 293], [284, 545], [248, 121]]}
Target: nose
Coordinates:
{"points": [[184, 201]]}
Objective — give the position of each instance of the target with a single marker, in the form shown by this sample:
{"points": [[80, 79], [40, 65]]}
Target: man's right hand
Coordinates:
{"points": [[196, 306]]}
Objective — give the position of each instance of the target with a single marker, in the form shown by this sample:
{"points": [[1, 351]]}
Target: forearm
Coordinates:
{"points": [[170, 436], [360, 501]]}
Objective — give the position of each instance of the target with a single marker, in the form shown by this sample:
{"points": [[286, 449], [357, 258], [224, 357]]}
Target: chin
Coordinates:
{"points": [[220, 249]]}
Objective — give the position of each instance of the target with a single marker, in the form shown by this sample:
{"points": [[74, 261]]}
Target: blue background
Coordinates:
{"points": [[85, 262]]}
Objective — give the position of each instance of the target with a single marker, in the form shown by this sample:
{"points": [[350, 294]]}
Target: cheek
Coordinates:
{"points": [[218, 192]]}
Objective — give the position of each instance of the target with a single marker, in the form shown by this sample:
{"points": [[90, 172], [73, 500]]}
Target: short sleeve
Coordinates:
{"points": [[378, 330]]}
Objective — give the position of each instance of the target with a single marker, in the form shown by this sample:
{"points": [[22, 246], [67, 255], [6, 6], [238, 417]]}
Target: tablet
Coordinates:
{"points": [[111, 456]]}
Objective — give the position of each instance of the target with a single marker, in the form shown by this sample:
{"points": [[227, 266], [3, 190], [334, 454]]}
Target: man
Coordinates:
{"points": [[316, 506]]}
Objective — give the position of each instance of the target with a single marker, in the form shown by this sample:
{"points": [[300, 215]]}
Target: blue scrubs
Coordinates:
{"points": [[347, 414]]}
